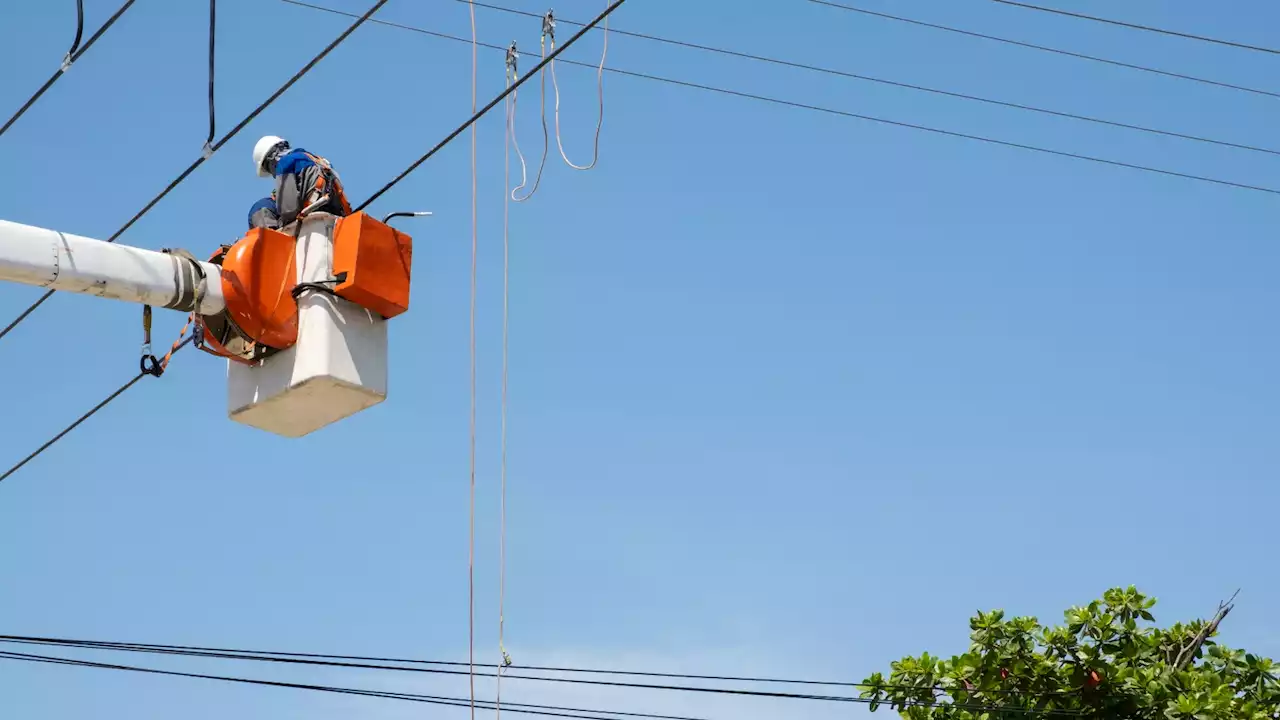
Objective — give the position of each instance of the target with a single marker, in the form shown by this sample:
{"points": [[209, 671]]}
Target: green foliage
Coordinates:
{"points": [[1107, 662]]}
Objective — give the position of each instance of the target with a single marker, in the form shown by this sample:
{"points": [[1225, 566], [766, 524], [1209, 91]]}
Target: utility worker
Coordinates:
{"points": [[300, 179], [265, 214]]}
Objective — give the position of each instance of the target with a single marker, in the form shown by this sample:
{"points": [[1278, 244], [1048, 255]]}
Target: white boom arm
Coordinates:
{"points": [[70, 263]]}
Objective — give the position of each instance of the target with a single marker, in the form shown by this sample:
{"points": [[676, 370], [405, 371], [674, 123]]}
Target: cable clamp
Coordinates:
{"points": [[67, 62], [513, 60], [549, 25], [207, 151]]}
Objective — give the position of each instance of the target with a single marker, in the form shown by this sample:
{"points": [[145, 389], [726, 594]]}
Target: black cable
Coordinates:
{"points": [[842, 113], [119, 391], [1043, 48], [66, 64], [213, 24], [308, 659], [895, 83], [218, 145], [1134, 26], [492, 103], [75, 44], [528, 708]]}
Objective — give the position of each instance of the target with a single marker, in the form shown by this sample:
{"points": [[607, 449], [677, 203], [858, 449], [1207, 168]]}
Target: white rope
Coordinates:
{"points": [[595, 153]]}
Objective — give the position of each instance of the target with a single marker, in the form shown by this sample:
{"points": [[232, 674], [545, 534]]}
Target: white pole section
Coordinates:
{"points": [[70, 263]]}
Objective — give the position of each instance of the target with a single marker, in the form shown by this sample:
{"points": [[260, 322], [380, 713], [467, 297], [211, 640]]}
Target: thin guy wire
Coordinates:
{"points": [[1135, 26], [218, 145], [489, 106], [904, 85], [845, 114], [544, 710], [471, 536], [302, 659], [67, 63], [92, 411], [1043, 48]]}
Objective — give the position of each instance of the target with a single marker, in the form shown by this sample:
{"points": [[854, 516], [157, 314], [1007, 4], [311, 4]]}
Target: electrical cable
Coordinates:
{"points": [[107, 401], [529, 708], [471, 527], [595, 153], [375, 663], [851, 115], [904, 85], [75, 44], [217, 146], [491, 104], [213, 23], [506, 314], [1044, 48], [546, 135], [70, 59], [1134, 26]]}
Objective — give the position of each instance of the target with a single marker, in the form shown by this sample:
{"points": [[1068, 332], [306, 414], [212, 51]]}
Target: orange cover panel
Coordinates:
{"points": [[258, 275], [377, 260]]}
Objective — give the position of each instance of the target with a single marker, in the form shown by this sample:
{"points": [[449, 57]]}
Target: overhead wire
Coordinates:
{"points": [[213, 23], [907, 86], [90, 413], [76, 53], [488, 106], [1136, 26], [471, 532], [430, 667], [75, 44], [216, 146], [555, 83], [546, 135], [523, 708], [1044, 48], [844, 114], [512, 72]]}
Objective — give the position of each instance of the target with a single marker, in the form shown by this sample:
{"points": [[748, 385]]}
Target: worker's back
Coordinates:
{"points": [[303, 178]]}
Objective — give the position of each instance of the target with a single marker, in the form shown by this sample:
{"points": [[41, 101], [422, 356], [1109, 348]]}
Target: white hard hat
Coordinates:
{"points": [[261, 150]]}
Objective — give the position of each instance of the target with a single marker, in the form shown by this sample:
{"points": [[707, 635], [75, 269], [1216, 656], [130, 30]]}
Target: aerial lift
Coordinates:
{"points": [[300, 314]]}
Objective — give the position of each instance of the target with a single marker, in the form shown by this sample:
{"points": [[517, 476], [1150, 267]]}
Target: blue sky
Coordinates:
{"points": [[790, 393]]}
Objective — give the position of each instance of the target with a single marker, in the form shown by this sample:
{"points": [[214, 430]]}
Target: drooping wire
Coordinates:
{"points": [[323, 659], [1134, 26], [69, 60], [595, 152], [546, 136], [904, 85], [1044, 48], [600, 683], [213, 24], [217, 146], [471, 529], [488, 106], [524, 708], [92, 411], [75, 44], [835, 112]]}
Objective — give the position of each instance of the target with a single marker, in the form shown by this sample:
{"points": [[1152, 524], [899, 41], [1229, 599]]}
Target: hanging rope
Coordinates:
{"points": [[471, 533], [549, 28]]}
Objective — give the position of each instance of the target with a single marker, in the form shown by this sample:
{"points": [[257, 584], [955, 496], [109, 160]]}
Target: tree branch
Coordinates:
{"points": [[1188, 653]]}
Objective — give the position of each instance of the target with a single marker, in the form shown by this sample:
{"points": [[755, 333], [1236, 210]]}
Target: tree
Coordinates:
{"points": [[1107, 662]]}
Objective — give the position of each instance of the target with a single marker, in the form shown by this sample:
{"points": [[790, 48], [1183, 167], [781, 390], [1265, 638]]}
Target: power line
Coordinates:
{"points": [[214, 148], [92, 411], [75, 54], [525, 708], [895, 83], [378, 663], [1044, 48], [843, 113], [1134, 26], [492, 103]]}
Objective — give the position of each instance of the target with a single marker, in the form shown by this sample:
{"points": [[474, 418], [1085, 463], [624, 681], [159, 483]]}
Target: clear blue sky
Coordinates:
{"points": [[790, 393]]}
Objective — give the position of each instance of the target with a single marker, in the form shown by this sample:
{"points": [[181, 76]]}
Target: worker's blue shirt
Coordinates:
{"points": [[293, 162]]}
